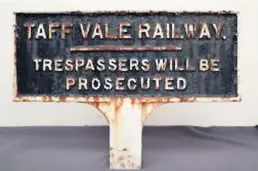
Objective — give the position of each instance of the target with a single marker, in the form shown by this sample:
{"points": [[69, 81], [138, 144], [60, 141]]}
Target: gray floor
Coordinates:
{"points": [[164, 149]]}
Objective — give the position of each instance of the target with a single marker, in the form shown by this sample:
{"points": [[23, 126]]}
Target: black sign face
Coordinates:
{"points": [[126, 54]]}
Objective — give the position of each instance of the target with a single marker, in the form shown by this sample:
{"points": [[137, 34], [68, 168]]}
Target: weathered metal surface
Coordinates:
{"points": [[126, 108], [66, 41]]}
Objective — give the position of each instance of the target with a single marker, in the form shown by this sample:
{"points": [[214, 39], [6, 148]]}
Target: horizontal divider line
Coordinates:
{"points": [[126, 48]]}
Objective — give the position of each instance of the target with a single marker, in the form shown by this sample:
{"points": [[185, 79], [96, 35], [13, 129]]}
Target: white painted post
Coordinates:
{"points": [[125, 135], [126, 117]]}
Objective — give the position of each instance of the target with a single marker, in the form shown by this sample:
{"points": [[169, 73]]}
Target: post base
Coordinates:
{"points": [[123, 159]]}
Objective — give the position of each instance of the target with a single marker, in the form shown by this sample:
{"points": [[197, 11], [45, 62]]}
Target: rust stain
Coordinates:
{"points": [[62, 98], [118, 100], [96, 103], [135, 101], [132, 101], [183, 99], [117, 105]]}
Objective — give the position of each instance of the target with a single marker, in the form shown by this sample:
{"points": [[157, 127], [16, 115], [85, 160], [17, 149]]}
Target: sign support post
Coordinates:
{"points": [[126, 118]]}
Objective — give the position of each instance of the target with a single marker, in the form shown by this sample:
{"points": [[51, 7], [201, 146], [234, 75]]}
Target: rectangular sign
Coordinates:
{"points": [[154, 56]]}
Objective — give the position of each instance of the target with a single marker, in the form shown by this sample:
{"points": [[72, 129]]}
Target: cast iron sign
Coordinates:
{"points": [[126, 64], [156, 55]]}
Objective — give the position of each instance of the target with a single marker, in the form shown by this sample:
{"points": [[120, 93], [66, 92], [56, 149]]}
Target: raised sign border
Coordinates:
{"points": [[92, 99]]}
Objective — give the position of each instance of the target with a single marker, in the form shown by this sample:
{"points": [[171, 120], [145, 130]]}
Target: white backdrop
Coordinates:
{"points": [[244, 113]]}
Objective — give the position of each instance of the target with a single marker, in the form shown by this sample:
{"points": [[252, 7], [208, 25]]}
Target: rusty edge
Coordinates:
{"points": [[19, 98], [74, 12], [14, 90], [108, 99]]}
